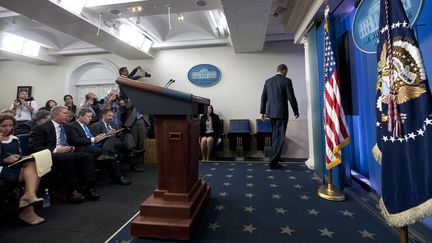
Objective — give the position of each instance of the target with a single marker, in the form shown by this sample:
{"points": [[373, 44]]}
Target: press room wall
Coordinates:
{"points": [[236, 96]]}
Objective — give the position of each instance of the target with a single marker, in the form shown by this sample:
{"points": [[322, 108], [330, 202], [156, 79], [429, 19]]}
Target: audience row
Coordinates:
{"points": [[79, 139]]}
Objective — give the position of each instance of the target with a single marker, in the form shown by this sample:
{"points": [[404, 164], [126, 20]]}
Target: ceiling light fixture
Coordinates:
{"points": [[147, 44], [74, 6], [19, 45], [130, 35], [200, 3], [219, 22], [180, 18], [135, 9], [98, 3]]}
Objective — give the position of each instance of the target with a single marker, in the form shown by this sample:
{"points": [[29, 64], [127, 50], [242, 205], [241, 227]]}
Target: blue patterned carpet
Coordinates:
{"points": [[250, 203]]}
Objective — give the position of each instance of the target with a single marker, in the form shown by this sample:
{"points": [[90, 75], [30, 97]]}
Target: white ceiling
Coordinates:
{"points": [[250, 24]]}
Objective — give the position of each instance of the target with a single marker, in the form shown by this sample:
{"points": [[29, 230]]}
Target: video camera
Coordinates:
{"points": [[98, 102], [146, 74]]}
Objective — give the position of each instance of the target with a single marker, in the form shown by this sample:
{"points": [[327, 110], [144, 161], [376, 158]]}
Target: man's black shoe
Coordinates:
{"points": [[107, 157], [275, 166], [75, 197], [136, 152], [135, 168], [123, 181], [92, 195]]}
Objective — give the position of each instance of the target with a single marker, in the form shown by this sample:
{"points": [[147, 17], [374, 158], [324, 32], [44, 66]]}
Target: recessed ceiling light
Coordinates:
{"points": [[200, 3], [135, 9], [114, 11]]}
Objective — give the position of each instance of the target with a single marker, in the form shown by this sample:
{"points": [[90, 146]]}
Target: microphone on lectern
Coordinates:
{"points": [[169, 83]]}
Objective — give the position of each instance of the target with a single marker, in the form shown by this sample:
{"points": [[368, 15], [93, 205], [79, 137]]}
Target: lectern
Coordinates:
{"points": [[173, 209]]}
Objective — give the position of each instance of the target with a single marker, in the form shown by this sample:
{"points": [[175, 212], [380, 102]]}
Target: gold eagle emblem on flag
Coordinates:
{"points": [[408, 70]]}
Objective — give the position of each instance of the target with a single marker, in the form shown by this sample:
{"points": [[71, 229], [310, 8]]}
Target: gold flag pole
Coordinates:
{"points": [[329, 191], [404, 234]]}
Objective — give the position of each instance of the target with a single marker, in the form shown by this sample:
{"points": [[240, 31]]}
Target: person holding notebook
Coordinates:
{"points": [[21, 172]]}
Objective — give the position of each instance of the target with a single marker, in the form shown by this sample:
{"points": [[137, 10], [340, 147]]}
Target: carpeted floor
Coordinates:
{"points": [[250, 203], [87, 222]]}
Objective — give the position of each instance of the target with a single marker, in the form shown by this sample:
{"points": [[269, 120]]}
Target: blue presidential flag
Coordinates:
{"points": [[403, 120]]}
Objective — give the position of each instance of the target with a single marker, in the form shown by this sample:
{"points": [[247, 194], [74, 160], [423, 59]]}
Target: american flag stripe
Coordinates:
{"points": [[335, 126]]}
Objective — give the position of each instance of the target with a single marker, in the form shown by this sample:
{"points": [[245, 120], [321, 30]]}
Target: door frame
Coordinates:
{"points": [[73, 74]]}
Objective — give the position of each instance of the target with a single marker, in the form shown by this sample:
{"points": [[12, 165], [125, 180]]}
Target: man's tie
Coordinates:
{"points": [[109, 127], [88, 133], [63, 140], [138, 115]]}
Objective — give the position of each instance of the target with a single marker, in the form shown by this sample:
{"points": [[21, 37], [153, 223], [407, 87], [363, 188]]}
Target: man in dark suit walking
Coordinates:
{"points": [[72, 165], [274, 105]]}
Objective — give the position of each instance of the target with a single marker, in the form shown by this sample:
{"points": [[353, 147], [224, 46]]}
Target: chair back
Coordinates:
{"points": [[263, 126], [24, 142], [239, 126]]}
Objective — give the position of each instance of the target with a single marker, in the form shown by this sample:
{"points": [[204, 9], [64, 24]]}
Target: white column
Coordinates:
{"points": [[310, 116]]}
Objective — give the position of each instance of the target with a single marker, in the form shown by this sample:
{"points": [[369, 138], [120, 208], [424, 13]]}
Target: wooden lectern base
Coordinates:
{"points": [[171, 216]]}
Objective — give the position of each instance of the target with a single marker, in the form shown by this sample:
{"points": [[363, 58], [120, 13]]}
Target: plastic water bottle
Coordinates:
{"points": [[46, 199]]}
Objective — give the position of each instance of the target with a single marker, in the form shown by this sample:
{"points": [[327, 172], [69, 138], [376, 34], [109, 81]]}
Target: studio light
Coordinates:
{"points": [[19, 45], [146, 45], [74, 6]]}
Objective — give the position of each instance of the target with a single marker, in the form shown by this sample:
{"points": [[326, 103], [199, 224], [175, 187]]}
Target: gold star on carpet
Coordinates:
{"points": [[281, 210], [326, 232], [313, 211], [366, 234], [249, 228], [347, 213], [249, 209], [213, 226], [287, 230], [249, 184], [219, 207]]}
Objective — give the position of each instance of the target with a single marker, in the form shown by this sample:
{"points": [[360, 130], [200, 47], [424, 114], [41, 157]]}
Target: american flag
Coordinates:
{"points": [[335, 126]]}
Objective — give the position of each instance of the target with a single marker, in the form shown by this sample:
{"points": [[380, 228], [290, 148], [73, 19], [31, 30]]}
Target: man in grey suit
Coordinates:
{"points": [[274, 105]]}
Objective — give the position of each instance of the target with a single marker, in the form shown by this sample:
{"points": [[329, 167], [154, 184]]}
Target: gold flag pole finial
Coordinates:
{"points": [[326, 11]]}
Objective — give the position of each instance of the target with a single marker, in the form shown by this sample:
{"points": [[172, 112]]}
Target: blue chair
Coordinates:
{"points": [[263, 136], [24, 141], [239, 136]]}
